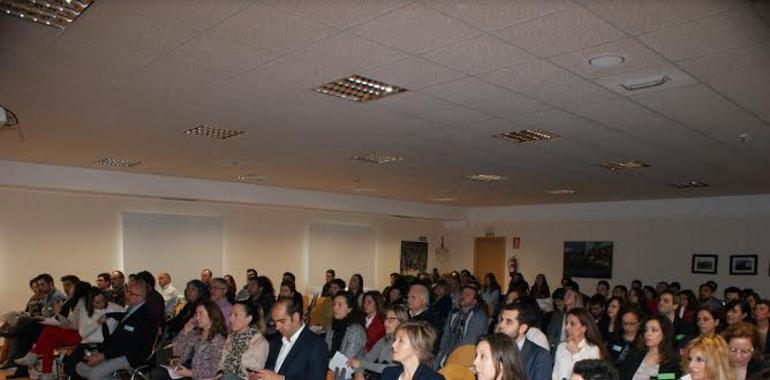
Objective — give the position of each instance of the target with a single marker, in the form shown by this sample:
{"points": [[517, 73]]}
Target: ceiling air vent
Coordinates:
{"points": [[624, 165], [376, 158], [359, 89], [205, 130], [526, 135], [116, 163]]}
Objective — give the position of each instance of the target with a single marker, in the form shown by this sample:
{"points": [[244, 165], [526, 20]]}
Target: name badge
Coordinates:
{"points": [[617, 348], [128, 328], [666, 376]]}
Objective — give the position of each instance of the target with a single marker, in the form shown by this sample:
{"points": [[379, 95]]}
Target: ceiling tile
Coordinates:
{"points": [[708, 35], [561, 32], [107, 23], [676, 78], [740, 74], [412, 73], [476, 55], [272, 28], [194, 14], [495, 14], [348, 51], [529, 76], [510, 105], [466, 90], [211, 51], [399, 29], [704, 110], [637, 17], [454, 116], [629, 118], [635, 56], [572, 94], [342, 14]]}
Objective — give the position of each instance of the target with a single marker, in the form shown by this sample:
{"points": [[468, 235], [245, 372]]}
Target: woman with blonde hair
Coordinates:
{"points": [[708, 358], [414, 341]]}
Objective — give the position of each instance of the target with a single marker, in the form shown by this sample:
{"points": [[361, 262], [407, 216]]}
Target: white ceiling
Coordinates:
{"points": [[129, 77]]}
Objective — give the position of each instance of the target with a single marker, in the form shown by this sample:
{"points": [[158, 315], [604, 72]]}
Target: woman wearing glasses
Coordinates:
{"points": [[743, 341], [381, 355]]}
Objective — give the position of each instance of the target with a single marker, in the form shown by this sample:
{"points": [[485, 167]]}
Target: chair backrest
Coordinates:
{"points": [[305, 302], [456, 372], [316, 313], [462, 355]]}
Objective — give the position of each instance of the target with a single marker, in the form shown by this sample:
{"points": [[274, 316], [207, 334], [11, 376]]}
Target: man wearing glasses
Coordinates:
{"points": [[129, 345]]}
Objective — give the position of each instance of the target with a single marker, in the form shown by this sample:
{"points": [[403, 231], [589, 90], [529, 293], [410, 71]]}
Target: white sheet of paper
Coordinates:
{"points": [[687, 377], [171, 373], [51, 322], [339, 363]]}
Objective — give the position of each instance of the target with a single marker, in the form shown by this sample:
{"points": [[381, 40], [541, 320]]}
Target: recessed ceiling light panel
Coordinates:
{"points": [[485, 178], [605, 61], [561, 192], [55, 13], [376, 158], [645, 83], [116, 163], [444, 199], [252, 178], [624, 165], [526, 135], [358, 89], [689, 185], [205, 130]]}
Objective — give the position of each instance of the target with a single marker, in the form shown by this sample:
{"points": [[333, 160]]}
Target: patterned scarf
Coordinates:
{"points": [[237, 345]]}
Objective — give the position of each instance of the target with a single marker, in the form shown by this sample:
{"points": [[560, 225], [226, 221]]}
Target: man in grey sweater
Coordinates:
{"points": [[465, 325]]}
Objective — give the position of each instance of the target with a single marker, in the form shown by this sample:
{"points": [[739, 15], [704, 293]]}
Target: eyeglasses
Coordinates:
{"points": [[392, 319], [741, 351]]}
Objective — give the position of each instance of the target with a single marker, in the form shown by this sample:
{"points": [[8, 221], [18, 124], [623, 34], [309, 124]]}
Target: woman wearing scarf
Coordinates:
{"points": [[246, 347], [347, 334]]}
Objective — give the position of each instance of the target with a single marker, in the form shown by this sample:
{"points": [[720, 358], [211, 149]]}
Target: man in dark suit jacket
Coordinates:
{"points": [[130, 343], [514, 321], [300, 354]]}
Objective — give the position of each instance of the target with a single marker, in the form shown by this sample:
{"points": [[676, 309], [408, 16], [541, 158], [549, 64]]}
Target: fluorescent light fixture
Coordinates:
{"points": [[444, 199], [624, 165], [376, 158], [54, 13], [561, 192], [358, 89], [526, 135], [252, 178], [689, 185], [205, 130], [486, 178], [116, 163], [605, 61], [645, 83]]}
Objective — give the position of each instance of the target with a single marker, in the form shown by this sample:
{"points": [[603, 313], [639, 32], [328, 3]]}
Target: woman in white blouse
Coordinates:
{"points": [[583, 342]]}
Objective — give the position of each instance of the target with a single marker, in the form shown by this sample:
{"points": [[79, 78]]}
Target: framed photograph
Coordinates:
{"points": [[743, 264], [592, 259], [705, 264], [414, 257]]}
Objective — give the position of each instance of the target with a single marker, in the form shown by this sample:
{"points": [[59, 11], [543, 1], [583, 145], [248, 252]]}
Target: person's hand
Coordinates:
{"points": [[354, 363], [266, 374], [57, 308], [359, 376], [95, 359], [189, 326], [572, 347], [184, 372]]}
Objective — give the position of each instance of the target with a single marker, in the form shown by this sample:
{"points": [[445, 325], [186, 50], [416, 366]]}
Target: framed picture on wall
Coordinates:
{"points": [[743, 264], [591, 259], [705, 264], [414, 257]]}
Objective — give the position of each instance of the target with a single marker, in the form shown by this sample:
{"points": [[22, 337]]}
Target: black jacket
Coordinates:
{"points": [[307, 360], [536, 360], [132, 338], [635, 357], [423, 373]]}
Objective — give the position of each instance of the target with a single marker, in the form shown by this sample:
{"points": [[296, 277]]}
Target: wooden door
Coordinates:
{"points": [[489, 256]]}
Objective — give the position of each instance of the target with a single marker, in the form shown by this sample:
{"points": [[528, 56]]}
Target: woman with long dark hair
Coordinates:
{"points": [[688, 306], [374, 312], [614, 325], [619, 345], [199, 346], [347, 334], [584, 341], [540, 288], [708, 321], [497, 358], [490, 293], [232, 289], [655, 356], [356, 289]]}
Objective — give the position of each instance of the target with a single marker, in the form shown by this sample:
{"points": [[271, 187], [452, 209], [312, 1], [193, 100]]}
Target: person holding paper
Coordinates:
{"points": [[347, 334]]}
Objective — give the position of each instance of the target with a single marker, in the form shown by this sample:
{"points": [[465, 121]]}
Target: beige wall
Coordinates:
{"points": [[64, 233], [647, 249]]}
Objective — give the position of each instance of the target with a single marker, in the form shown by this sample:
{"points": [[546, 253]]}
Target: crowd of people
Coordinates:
{"points": [[430, 326]]}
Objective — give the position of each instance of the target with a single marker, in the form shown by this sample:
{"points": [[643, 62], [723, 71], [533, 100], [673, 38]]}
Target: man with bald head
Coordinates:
{"points": [[129, 344], [169, 293]]}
